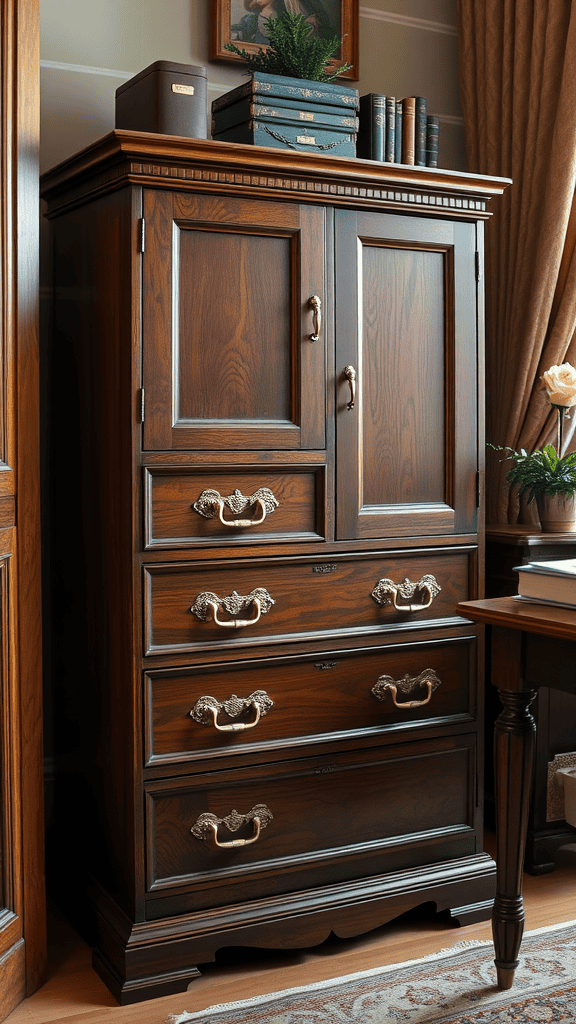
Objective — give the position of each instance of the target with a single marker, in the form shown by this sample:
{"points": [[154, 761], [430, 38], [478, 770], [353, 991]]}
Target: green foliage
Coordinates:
{"points": [[294, 52], [541, 472]]}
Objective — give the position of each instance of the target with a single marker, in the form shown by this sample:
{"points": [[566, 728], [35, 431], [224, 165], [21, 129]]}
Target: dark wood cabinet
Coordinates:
{"points": [[266, 483]]}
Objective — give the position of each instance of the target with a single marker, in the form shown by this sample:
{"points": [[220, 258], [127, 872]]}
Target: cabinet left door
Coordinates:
{"points": [[234, 339]]}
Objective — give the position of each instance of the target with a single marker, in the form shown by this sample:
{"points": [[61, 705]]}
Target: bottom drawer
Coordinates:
{"points": [[259, 831]]}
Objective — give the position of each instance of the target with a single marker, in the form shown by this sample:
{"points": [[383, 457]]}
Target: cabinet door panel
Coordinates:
{"points": [[228, 358], [406, 323]]}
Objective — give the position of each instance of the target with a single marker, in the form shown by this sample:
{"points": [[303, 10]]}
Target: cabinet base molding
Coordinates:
{"points": [[157, 958]]}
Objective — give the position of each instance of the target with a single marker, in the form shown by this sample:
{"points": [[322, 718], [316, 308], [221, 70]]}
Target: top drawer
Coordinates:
{"points": [[192, 506], [230, 605]]}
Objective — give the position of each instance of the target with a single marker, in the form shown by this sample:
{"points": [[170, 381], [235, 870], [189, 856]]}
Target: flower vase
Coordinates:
{"points": [[557, 512]]}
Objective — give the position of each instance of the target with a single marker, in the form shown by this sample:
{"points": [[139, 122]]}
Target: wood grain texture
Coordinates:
{"points": [[310, 596], [512, 614], [313, 696], [22, 948]]}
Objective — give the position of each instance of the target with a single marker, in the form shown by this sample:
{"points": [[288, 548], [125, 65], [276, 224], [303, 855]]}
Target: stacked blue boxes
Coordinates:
{"points": [[289, 113]]}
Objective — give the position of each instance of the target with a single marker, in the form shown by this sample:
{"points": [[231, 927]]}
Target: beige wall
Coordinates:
{"points": [[90, 47]]}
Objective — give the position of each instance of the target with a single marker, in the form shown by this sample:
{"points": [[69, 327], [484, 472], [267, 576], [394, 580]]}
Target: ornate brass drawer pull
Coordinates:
{"points": [[211, 505], [206, 710], [386, 592], [386, 688], [206, 826], [350, 374], [315, 304], [207, 605]]}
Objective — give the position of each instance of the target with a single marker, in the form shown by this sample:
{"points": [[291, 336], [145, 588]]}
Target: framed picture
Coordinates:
{"points": [[244, 22]]}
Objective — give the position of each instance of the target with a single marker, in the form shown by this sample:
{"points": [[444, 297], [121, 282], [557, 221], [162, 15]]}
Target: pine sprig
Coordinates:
{"points": [[294, 51], [541, 472]]}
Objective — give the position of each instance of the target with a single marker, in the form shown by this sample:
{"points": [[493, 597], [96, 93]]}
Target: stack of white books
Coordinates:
{"points": [[548, 582]]}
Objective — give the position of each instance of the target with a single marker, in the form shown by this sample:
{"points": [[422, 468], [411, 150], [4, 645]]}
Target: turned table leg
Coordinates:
{"points": [[514, 750]]}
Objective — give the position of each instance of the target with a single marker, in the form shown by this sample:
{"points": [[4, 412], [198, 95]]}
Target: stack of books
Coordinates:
{"points": [[397, 131], [548, 582]]}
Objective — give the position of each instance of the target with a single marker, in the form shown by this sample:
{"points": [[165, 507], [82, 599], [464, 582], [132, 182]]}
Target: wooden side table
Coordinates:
{"points": [[554, 711], [532, 645]]}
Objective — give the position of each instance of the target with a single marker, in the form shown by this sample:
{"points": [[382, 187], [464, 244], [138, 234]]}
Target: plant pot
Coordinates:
{"points": [[557, 512]]}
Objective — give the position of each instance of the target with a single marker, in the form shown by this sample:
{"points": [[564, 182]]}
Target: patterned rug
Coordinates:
{"points": [[456, 986]]}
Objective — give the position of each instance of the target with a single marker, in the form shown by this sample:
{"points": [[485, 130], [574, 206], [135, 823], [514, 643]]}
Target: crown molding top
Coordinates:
{"points": [[162, 161]]}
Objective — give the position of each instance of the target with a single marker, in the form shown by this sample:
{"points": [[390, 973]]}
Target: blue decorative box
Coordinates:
{"points": [[289, 113]]}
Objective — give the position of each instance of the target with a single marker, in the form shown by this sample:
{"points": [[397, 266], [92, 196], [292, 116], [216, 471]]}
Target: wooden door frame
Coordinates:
{"points": [[23, 943]]}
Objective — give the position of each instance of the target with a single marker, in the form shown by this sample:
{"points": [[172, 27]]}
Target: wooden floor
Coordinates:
{"points": [[73, 993]]}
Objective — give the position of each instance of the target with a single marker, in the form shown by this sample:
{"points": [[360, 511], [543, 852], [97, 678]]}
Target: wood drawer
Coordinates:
{"points": [[312, 696], [376, 803], [289, 500], [305, 597]]}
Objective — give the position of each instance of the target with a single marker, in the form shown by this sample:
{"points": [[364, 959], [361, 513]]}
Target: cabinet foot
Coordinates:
{"points": [[472, 913], [138, 989]]}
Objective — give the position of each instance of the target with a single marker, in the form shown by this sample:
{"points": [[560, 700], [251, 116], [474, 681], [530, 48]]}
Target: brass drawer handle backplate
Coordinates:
{"points": [[211, 505], [315, 304], [386, 688], [386, 592], [207, 605], [206, 710], [206, 826]]}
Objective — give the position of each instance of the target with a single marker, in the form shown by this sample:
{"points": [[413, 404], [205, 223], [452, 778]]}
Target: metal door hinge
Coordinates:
{"points": [[142, 235], [141, 404]]}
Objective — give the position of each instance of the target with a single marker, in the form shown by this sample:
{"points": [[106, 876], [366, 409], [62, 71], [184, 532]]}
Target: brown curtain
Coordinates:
{"points": [[518, 87]]}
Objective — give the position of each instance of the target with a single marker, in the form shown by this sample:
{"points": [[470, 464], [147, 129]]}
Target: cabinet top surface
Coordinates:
{"points": [[169, 161]]}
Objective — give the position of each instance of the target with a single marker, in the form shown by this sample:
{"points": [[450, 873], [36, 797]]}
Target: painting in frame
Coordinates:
{"points": [[242, 22]]}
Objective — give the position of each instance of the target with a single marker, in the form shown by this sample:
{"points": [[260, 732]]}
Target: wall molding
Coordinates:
{"points": [[84, 69], [404, 19]]}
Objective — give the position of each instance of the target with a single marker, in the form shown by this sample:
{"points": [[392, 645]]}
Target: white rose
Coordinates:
{"points": [[560, 384]]}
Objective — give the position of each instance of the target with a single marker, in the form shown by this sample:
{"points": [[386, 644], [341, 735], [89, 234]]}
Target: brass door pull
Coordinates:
{"points": [[386, 592], [207, 605], [206, 826], [350, 374], [211, 505], [206, 710], [315, 304], [386, 687]]}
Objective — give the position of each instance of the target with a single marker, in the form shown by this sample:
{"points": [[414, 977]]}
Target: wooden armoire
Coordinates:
{"points": [[266, 419]]}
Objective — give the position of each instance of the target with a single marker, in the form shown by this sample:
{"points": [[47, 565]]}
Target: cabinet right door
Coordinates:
{"points": [[406, 375]]}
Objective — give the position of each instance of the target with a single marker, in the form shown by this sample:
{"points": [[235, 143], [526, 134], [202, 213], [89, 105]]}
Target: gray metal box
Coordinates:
{"points": [[165, 98]]}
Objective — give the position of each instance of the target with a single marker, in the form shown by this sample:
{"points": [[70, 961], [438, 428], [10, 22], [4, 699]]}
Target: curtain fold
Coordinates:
{"points": [[518, 87]]}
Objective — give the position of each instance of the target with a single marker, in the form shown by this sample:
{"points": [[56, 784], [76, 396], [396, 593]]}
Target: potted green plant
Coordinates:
{"points": [[294, 51], [292, 86], [546, 475]]}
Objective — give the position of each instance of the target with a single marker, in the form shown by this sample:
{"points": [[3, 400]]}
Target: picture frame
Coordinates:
{"points": [[228, 26]]}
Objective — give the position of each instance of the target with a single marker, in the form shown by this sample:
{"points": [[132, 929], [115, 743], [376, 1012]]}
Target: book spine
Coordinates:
{"points": [[432, 134], [398, 133], [421, 110], [390, 129], [372, 131], [408, 129]]}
